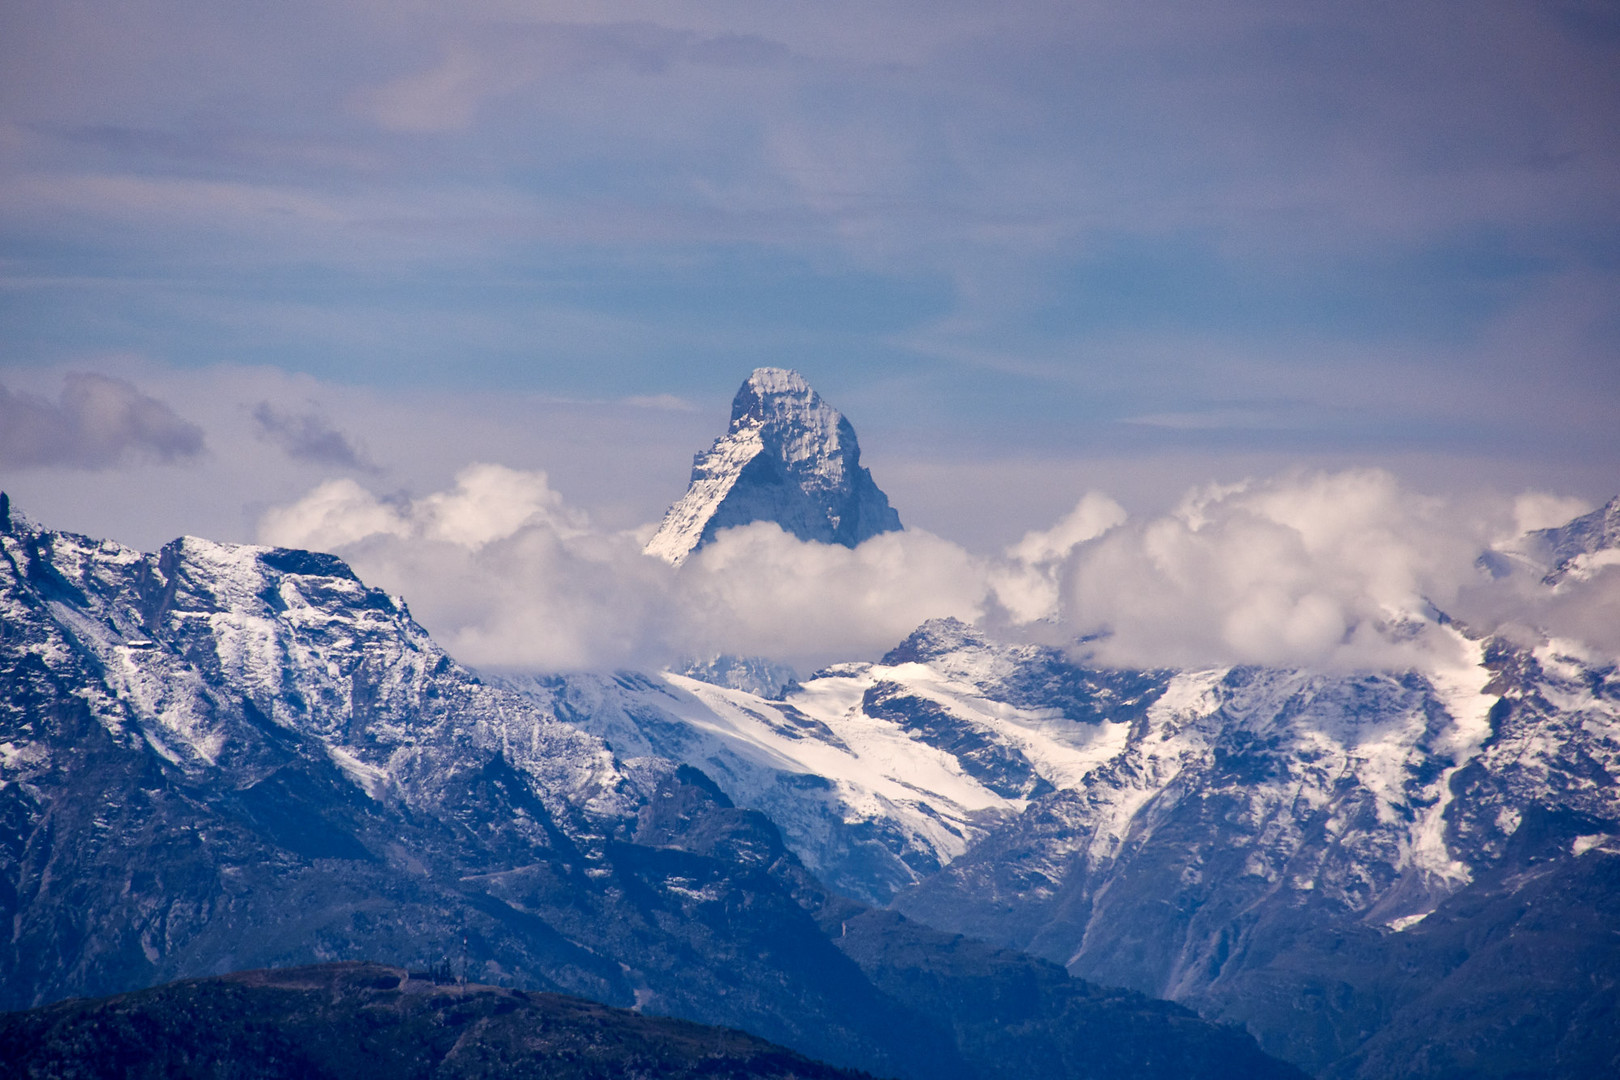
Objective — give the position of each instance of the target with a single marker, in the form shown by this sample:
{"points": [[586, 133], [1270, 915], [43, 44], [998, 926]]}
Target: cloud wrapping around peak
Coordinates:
{"points": [[1538, 510], [98, 422], [1297, 570], [1327, 570], [333, 516], [760, 591], [507, 575], [1029, 584], [488, 503]]}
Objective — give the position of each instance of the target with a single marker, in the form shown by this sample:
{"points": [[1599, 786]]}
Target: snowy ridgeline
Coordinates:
{"points": [[1201, 835], [881, 774], [1314, 857], [201, 645]]}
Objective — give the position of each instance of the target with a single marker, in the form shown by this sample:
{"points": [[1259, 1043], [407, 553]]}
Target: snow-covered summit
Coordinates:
{"points": [[1567, 553], [1578, 548], [789, 458]]}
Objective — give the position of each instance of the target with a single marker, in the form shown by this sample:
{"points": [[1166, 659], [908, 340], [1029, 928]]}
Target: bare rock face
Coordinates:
{"points": [[788, 458]]}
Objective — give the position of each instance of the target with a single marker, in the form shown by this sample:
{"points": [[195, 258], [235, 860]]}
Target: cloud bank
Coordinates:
{"points": [[1307, 569], [1331, 570], [507, 575]]}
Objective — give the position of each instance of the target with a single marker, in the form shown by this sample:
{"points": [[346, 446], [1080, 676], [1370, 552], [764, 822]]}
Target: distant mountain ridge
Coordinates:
{"points": [[1582, 546], [878, 774], [788, 458], [1571, 552], [219, 756]]}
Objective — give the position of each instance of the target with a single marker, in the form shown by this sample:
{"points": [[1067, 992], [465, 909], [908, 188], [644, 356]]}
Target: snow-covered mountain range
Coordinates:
{"points": [[218, 757], [1346, 863], [1376, 873], [1221, 838], [878, 774]]}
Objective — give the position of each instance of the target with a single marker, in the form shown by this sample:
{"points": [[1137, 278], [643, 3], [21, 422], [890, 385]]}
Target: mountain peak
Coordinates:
{"points": [[788, 457], [771, 384]]}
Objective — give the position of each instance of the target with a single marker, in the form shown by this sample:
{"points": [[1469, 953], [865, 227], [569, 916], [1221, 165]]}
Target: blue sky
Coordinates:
{"points": [[1028, 248]]}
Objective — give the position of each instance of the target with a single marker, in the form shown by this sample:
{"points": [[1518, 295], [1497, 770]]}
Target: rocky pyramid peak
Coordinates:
{"points": [[789, 458]]}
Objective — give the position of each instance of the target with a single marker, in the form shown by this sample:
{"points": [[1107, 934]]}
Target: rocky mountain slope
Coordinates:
{"points": [[219, 757], [1354, 868], [348, 1021], [1378, 874], [222, 757], [788, 458]]}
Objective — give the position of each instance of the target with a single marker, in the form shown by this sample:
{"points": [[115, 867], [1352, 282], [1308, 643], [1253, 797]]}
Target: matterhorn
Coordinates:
{"points": [[788, 458]]}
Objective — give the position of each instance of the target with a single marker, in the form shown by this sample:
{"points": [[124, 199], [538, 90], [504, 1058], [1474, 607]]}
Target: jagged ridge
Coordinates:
{"points": [[1580, 547]]}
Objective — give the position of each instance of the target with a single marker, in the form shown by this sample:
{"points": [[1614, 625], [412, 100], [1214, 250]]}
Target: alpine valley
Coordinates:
{"points": [[970, 857]]}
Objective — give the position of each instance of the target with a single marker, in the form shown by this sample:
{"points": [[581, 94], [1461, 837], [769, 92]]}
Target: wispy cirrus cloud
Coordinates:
{"points": [[483, 65]]}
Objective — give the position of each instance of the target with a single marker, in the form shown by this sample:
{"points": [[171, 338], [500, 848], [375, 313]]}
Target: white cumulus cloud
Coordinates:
{"points": [[506, 575], [1337, 570], [1312, 569], [1028, 583]]}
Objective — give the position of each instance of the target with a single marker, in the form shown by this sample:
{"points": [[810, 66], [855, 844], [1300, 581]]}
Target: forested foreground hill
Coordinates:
{"points": [[336, 1021]]}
